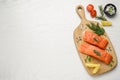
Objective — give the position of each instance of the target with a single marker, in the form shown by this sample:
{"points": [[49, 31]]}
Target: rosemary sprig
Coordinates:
{"points": [[101, 17], [101, 10], [96, 28]]}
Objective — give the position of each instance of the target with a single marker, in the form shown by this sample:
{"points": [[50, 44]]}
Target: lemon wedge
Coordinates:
{"points": [[95, 66]]}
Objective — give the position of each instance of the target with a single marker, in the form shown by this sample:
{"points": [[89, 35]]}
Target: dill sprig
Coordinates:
{"points": [[96, 28]]}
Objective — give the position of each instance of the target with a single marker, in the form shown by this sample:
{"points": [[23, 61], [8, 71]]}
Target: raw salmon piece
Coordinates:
{"points": [[95, 52], [94, 39]]}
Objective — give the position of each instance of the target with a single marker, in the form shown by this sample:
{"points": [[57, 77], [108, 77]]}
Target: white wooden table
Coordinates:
{"points": [[36, 40]]}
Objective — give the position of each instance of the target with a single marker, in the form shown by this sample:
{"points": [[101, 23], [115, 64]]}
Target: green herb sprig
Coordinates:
{"points": [[111, 63], [88, 59], [101, 17], [96, 28], [97, 52], [95, 39]]}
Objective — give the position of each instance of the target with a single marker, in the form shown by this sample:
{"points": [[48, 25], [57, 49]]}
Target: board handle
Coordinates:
{"points": [[81, 12]]}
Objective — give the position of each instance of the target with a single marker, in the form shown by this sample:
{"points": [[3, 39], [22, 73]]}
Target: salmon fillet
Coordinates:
{"points": [[95, 52], [94, 39]]}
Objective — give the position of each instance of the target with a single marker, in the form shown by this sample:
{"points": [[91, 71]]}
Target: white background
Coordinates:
{"points": [[36, 40]]}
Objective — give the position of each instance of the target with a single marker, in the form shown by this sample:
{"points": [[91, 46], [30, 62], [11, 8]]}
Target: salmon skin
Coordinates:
{"points": [[94, 39], [95, 52]]}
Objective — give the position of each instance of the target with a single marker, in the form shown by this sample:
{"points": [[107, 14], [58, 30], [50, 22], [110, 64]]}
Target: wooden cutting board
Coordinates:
{"points": [[78, 40]]}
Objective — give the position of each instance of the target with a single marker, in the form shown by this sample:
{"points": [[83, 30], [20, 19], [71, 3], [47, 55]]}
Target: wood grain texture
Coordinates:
{"points": [[78, 40]]}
